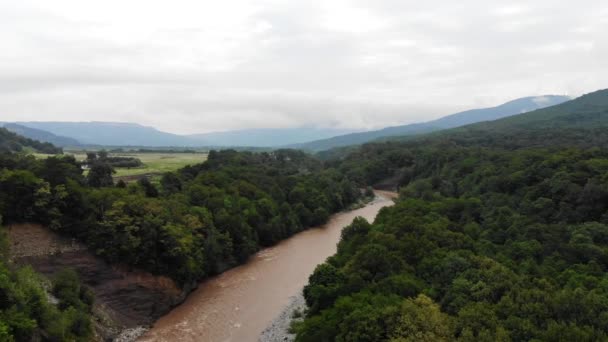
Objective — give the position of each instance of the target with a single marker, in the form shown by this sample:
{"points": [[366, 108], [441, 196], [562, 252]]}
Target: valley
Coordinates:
{"points": [[497, 232], [303, 171], [238, 304]]}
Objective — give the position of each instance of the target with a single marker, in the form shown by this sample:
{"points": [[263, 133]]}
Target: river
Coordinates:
{"points": [[238, 304]]}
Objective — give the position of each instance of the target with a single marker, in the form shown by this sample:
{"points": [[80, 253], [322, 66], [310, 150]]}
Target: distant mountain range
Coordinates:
{"points": [[131, 134], [110, 133], [266, 137], [309, 138], [514, 107]]}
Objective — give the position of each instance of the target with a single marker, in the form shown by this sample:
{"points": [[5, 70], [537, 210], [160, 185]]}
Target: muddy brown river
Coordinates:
{"points": [[237, 305]]}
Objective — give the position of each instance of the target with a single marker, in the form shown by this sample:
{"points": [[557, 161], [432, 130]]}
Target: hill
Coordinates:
{"points": [[41, 135], [500, 233], [454, 120], [587, 111], [580, 122], [12, 142]]}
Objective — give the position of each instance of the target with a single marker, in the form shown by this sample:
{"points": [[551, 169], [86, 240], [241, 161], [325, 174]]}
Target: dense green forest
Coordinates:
{"points": [[500, 232], [197, 222], [103, 157], [492, 239]]}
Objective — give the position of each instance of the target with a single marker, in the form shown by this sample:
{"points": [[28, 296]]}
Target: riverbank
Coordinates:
{"points": [[278, 329], [238, 304], [125, 299]]}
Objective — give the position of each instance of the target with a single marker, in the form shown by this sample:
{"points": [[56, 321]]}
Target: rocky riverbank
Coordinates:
{"points": [[278, 330]]}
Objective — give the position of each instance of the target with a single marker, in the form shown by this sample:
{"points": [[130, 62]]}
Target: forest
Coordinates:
{"points": [[196, 222], [483, 245], [500, 231], [494, 237]]}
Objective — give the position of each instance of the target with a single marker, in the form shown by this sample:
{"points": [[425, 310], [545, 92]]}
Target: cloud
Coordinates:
{"points": [[191, 66]]}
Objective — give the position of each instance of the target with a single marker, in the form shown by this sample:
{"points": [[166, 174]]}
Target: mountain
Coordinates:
{"points": [[587, 111], [112, 133], [485, 210], [267, 137], [41, 135], [582, 122], [514, 107], [12, 142], [131, 134]]}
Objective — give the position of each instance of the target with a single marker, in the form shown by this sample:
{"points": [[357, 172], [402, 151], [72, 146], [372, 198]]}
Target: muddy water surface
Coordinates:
{"points": [[237, 305]]}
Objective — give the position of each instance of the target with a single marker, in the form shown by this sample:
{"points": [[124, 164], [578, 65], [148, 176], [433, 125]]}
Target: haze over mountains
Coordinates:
{"points": [[308, 138], [581, 122], [514, 107], [133, 134]]}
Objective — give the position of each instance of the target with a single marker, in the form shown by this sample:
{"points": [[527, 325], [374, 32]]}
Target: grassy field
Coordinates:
{"points": [[154, 163]]}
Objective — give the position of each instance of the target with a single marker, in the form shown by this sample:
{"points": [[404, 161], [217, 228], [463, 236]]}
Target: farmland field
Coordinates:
{"points": [[154, 163]]}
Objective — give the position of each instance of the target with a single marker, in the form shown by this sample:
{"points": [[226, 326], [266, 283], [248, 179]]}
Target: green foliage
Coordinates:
{"points": [[484, 244], [421, 319], [100, 175], [113, 161], [200, 221], [26, 312]]}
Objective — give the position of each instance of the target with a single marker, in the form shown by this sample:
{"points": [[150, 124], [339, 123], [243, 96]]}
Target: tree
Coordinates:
{"points": [[91, 157], [149, 189], [100, 175], [422, 320], [170, 183], [103, 155]]}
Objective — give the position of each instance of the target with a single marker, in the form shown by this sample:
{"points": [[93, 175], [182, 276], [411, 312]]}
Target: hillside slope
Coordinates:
{"points": [[514, 107], [41, 135], [500, 233], [12, 142], [580, 122], [586, 111]]}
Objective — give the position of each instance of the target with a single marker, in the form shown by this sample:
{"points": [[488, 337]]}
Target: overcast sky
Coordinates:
{"points": [[198, 66]]}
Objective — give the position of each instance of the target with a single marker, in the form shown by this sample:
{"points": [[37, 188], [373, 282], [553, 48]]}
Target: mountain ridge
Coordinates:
{"points": [[134, 134], [506, 109]]}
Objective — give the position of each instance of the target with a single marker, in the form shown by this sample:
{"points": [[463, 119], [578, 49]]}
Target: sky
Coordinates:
{"points": [[201, 66]]}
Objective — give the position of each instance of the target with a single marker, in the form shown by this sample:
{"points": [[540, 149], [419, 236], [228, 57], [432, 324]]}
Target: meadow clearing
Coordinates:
{"points": [[155, 163]]}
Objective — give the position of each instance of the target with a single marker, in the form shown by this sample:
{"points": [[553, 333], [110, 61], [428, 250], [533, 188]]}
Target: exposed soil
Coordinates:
{"points": [[124, 299]]}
